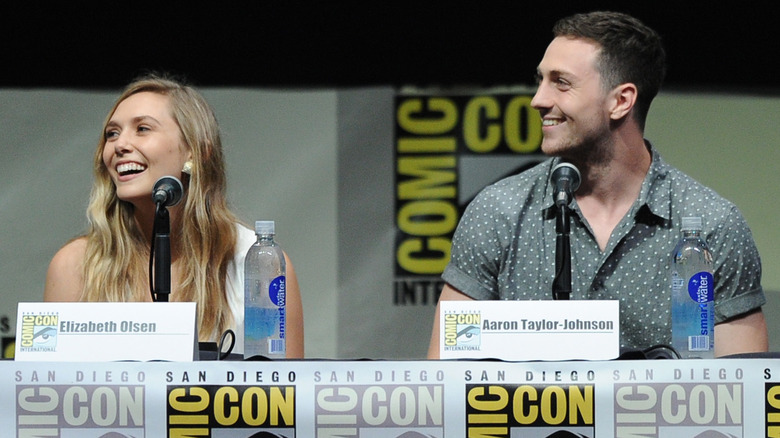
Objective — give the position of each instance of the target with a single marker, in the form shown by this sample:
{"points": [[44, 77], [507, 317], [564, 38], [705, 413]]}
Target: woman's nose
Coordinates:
{"points": [[122, 146]]}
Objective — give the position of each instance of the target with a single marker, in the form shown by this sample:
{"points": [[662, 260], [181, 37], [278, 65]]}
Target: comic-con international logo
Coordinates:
{"points": [[539, 411], [772, 409], [247, 411], [39, 332], [462, 331], [448, 147], [379, 411], [666, 409], [84, 411]]}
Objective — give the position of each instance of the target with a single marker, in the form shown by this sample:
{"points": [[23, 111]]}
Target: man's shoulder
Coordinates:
{"points": [[690, 197], [522, 183], [688, 189]]}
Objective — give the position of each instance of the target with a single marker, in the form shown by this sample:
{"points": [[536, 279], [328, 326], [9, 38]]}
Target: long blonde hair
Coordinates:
{"points": [[117, 255]]}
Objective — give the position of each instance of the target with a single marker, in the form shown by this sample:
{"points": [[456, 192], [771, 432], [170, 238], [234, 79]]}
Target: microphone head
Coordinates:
{"points": [[569, 172], [168, 191], [565, 179]]}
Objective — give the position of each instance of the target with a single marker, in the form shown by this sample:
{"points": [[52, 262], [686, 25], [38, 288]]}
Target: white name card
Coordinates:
{"points": [[100, 332], [530, 330]]}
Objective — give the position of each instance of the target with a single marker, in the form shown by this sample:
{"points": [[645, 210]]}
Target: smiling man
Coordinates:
{"points": [[596, 82]]}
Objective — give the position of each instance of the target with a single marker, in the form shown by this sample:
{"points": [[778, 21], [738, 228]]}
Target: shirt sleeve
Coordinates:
{"points": [[737, 268], [476, 253]]}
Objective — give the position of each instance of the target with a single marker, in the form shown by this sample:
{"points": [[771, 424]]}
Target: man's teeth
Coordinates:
{"points": [[549, 122], [130, 167]]}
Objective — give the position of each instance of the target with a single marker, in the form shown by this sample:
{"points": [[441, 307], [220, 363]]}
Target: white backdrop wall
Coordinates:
{"points": [[320, 163]]}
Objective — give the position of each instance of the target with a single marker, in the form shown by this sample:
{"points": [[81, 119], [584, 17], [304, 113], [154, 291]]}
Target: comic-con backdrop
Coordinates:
{"points": [[366, 186]]}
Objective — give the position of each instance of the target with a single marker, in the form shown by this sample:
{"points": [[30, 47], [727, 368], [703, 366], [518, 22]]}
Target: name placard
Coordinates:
{"points": [[530, 330], [101, 332]]}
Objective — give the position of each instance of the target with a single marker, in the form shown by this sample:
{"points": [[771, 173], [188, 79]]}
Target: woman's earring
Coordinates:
{"points": [[187, 168]]}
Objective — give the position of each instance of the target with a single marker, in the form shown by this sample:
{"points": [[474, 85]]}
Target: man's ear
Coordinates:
{"points": [[624, 99]]}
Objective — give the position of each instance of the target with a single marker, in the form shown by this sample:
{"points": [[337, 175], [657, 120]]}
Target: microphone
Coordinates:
{"points": [[167, 191], [565, 178]]}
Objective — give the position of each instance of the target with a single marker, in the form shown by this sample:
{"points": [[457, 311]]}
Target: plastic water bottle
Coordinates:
{"points": [[693, 319], [265, 286]]}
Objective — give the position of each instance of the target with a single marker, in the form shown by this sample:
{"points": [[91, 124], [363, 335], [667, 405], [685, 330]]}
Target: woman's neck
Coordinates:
{"points": [[146, 217]]}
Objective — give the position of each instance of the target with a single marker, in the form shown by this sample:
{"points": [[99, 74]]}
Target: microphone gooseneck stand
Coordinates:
{"points": [[161, 252], [565, 179], [562, 283]]}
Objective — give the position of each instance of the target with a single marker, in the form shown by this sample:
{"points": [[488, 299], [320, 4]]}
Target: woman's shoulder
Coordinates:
{"points": [[73, 251], [64, 276], [245, 237]]}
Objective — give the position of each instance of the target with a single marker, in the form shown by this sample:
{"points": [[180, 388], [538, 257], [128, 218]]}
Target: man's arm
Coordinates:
{"points": [[744, 334], [448, 293]]}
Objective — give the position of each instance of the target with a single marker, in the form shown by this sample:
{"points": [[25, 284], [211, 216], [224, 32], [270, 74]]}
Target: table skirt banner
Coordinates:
{"points": [[378, 399]]}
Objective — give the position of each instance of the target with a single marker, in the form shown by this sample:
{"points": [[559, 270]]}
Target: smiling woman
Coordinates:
{"points": [[161, 127], [142, 144]]}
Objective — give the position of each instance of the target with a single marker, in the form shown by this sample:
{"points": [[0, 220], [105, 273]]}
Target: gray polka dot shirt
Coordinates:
{"points": [[504, 248]]}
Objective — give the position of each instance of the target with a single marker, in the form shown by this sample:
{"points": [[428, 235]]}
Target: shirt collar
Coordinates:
{"points": [[656, 188], [654, 195]]}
